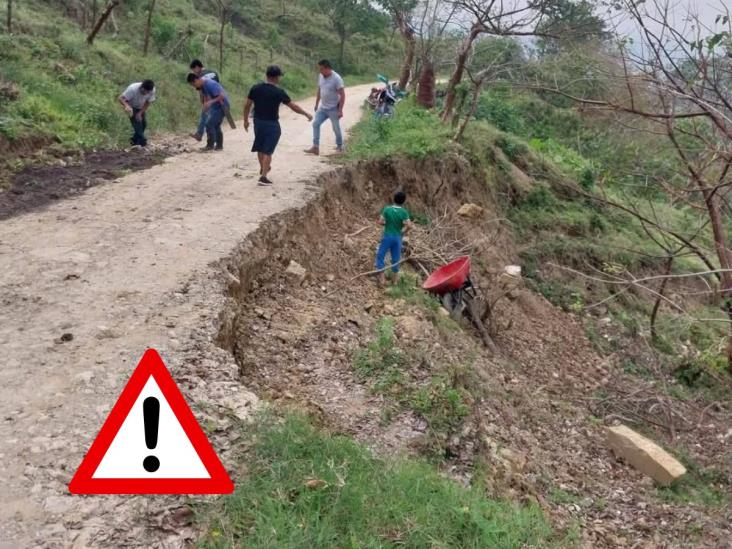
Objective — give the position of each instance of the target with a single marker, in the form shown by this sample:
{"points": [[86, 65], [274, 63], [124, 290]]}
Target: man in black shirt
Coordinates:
{"points": [[266, 98]]}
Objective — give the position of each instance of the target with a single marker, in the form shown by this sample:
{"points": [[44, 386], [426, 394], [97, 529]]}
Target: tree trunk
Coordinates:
{"points": [[221, 40], [409, 47], [426, 89], [457, 75], [721, 244], [473, 107], [417, 71], [661, 290], [147, 27], [102, 19], [342, 51], [10, 16]]}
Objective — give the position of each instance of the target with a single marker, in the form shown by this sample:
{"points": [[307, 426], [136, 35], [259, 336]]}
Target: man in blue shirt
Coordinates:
{"points": [[215, 103]]}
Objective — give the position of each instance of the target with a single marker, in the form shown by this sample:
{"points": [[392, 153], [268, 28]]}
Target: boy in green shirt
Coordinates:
{"points": [[395, 219]]}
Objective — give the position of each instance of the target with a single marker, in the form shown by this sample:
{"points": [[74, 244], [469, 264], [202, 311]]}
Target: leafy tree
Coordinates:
{"points": [[350, 17], [574, 22]]}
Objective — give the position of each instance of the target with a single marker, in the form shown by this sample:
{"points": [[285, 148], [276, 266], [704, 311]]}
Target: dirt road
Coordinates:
{"points": [[87, 285]]}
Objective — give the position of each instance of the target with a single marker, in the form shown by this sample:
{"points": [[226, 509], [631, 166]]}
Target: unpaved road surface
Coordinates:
{"points": [[126, 266]]}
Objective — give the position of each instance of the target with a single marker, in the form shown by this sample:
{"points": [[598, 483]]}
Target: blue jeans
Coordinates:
{"points": [[214, 133], [391, 243], [201, 129], [321, 116], [138, 128]]}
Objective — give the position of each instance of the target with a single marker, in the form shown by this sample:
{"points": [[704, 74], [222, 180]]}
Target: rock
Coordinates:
{"points": [[368, 306], [330, 278], [471, 211], [515, 461], [106, 333], [296, 270], [231, 279], [644, 454], [443, 312], [513, 270], [349, 243], [65, 338], [410, 327]]}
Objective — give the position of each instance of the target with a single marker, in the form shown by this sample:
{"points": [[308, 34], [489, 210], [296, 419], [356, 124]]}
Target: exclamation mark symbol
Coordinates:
{"points": [[151, 417]]}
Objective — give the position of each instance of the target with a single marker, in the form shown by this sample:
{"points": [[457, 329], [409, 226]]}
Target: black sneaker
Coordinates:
{"points": [[264, 182]]}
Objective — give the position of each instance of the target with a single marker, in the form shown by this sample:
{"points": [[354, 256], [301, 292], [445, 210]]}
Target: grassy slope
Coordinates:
{"points": [[68, 89], [562, 151], [306, 488]]}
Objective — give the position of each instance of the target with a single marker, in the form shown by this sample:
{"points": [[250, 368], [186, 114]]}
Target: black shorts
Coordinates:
{"points": [[266, 136]]}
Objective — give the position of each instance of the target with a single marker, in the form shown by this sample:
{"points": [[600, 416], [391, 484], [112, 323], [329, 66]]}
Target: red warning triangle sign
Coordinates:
{"points": [[151, 443]]}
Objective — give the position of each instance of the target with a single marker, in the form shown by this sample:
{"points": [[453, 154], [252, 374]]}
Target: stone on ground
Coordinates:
{"points": [[471, 211], [645, 455], [296, 270]]}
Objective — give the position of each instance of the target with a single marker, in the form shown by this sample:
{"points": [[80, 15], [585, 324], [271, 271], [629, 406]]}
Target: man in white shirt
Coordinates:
{"points": [[331, 98], [136, 99]]}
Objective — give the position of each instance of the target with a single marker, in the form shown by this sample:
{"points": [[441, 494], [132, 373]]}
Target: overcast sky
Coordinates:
{"points": [[707, 10]]}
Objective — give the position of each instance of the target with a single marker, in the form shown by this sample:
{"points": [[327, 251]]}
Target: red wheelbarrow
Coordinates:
{"points": [[449, 278], [452, 284]]}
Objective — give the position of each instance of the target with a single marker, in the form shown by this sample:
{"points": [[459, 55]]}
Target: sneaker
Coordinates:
{"points": [[312, 150], [339, 151], [218, 148], [206, 149], [264, 182], [196, 136]]}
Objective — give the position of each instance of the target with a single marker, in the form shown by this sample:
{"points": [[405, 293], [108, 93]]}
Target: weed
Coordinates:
{"points": [[441, 403], [559, 496], [409, 289], [380, 359]]}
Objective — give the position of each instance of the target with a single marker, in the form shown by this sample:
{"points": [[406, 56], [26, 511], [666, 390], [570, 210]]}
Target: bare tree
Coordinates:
{"points": [[102, 19], [678, 83], [150, 10], [224, 9], [433, 18], [402, 11], [494, 17], [10, 17]]}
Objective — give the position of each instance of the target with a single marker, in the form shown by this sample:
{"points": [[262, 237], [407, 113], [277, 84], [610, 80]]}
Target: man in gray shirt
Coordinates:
{"points": [[136, 99], [331, 98]]}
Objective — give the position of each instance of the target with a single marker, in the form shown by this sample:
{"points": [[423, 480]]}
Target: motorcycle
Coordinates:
{"points": [[382, 100]]}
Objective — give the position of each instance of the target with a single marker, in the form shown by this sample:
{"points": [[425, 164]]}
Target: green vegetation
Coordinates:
{"points": [[705, 486], [442, 399], [413, 132], [306, 488], [55, 89], [409, 289]]}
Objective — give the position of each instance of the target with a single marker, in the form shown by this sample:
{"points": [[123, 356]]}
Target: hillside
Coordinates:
{"points": [[58, 94], [590, 204]]}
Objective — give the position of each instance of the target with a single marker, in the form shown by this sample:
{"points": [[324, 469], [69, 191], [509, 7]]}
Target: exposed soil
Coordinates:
{"points": [[532, 420], [37, 186]]}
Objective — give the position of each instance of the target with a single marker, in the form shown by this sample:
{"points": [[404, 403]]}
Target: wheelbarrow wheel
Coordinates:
{"points": [[454, 304]]}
